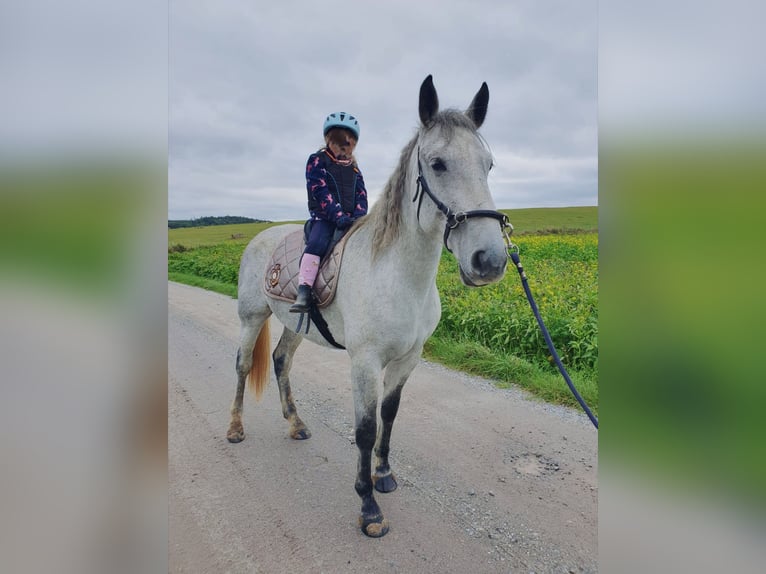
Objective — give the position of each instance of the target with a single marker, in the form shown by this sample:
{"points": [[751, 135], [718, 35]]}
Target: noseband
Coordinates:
{"points": [[455, 219]]}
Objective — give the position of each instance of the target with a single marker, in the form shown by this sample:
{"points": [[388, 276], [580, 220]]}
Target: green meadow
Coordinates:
{"points": [[240, 233], [489, 331], [552, 220]]}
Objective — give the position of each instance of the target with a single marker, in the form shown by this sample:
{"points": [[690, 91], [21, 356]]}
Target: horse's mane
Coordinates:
{"points": [[385, 217]]}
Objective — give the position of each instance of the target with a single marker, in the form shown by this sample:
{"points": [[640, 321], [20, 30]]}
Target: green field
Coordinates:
{"points": [[489, 331], [553, 219], [239, 233], [533, 220]]}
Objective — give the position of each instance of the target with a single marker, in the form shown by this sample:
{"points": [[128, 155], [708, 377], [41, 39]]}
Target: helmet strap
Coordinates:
{"points": [[336, 160]]}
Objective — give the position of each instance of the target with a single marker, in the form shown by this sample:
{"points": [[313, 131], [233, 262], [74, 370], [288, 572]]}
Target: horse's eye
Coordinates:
{"points": [[491, 166], [438, 165]]}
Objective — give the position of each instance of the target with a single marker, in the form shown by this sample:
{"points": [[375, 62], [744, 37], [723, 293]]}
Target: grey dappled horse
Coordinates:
{"points": [[386, 303]]}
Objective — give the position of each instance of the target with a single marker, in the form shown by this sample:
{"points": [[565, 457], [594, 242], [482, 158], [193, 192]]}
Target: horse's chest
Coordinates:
{"points": [[414, 321]]}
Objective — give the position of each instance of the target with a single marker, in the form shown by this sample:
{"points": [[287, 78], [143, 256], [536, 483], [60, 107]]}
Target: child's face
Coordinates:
{"points": [[342, 147]]}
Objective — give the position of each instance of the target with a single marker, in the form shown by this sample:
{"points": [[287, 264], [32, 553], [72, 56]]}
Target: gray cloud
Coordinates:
{"points": [[250, 87]]}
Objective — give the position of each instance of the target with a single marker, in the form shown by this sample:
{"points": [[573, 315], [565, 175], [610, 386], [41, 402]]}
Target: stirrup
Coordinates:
{"points": [[303, 300], [299, 308]]}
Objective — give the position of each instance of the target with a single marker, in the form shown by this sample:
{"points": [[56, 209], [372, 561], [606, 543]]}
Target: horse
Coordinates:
{"points": [[386, 303]]}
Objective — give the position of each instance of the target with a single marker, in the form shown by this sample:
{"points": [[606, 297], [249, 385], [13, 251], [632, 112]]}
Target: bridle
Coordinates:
{"points": [[455, 219]]}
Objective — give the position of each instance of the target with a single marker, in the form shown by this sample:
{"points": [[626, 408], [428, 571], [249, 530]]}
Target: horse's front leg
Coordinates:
{"points": [[365, 378], [397, 373]]}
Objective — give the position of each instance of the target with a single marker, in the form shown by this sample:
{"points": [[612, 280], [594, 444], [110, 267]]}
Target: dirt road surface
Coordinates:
{"points": [[489, 480]]}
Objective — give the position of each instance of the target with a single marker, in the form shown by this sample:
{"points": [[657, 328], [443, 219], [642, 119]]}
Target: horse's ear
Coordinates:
{"points": [[477, 111], [429, 101]]}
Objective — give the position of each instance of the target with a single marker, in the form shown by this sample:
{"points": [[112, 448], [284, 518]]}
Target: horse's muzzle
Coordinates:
{"points": [[486, 268]]}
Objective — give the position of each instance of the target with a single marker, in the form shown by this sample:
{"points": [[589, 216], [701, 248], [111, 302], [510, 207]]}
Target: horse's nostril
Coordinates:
{"points": [[479, 260], [485, 264], [482, 263]]}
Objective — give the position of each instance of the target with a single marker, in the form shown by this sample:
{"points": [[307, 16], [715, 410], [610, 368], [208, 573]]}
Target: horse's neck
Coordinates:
{"points": [[418, 247], [418, 256]]}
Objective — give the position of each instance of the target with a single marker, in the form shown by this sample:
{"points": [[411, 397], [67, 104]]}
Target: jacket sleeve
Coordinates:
{"points": [[360, 197], [326, 206]]}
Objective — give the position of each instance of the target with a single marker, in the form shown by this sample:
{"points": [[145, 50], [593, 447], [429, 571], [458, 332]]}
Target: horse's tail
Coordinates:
{"points": [[259, 372]]}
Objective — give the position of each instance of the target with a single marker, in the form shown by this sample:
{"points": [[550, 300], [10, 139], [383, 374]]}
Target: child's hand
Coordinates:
{"points": [[344, 222]]}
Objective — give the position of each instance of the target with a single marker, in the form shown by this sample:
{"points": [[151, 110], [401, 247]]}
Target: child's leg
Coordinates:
{"points": [[309, 269], [319, 240]]}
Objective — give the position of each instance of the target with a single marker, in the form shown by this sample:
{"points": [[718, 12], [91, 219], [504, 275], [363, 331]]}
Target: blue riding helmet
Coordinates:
{"points": [[342, 120]]}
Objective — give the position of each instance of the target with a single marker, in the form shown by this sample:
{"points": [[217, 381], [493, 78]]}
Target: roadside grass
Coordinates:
{"points": [[214, 262], [208, 284], [490, 331], [507, 370]]}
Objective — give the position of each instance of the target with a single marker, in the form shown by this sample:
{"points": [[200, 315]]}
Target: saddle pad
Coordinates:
{"points": [[283, 268]]}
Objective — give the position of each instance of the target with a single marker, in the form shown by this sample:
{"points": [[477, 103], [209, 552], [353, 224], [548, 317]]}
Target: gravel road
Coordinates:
{"points": [[490, 480]]}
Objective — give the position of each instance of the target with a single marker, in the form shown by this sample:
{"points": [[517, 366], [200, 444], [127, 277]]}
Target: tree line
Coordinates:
{"points": [[207, 221]]}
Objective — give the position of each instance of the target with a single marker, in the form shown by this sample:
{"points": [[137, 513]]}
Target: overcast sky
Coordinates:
{"points": [[235, 92], [250, 85]]}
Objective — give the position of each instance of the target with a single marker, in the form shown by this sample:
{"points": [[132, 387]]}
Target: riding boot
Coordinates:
{"points": [[307, 273], [303, 300]]}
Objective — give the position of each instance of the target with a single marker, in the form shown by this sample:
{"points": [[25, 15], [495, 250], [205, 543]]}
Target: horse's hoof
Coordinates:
{"points": [[235, 436], [373, 527], [300, 434], [385, 483], [236, 432]]}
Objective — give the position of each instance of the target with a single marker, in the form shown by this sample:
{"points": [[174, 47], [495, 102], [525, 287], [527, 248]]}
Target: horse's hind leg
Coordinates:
{"points": [[397, 373], [252, 331], [283, 360]]}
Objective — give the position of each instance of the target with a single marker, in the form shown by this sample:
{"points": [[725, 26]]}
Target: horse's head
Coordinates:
{"points": [[453, 163]]}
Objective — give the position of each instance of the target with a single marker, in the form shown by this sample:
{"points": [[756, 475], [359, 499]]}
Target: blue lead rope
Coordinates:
{"points": [[515, 258]]}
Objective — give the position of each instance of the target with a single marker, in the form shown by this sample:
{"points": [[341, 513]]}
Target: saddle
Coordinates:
{"points": [[283, 268]]}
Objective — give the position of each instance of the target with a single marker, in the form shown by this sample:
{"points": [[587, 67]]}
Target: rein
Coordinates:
{"points": [[513, 255], [455, 219]]}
